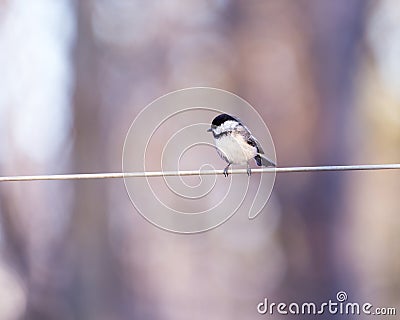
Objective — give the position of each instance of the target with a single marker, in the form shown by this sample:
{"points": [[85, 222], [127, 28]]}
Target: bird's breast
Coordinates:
{"points": [[234, 149]]}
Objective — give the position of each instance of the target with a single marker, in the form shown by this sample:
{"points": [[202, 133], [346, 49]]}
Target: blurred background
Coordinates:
{"points": [[325, 77]]}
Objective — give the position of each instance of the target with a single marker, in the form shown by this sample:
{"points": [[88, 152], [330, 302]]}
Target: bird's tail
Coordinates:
{"points": [[262, 160]]}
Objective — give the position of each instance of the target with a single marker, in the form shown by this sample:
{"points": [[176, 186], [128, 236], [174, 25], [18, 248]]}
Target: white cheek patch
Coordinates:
{"points": [[226, 126]]}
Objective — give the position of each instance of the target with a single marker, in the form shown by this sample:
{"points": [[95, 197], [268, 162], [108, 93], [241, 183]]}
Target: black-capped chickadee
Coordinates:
{"points": [[235, 143]]}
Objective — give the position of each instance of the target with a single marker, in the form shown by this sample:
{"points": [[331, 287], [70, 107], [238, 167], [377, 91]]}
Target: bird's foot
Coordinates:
{"points": [[226, 170], [248, 171]]}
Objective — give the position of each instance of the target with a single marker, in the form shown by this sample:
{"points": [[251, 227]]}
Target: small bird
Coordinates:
{"points": [[235, 143]]}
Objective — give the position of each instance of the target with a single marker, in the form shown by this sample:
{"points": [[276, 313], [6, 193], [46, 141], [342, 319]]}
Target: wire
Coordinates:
{"points": [[110, 175]]}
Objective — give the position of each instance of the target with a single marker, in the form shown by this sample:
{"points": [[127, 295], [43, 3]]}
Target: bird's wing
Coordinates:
{"points": [[260, 158], [244, 130], [251, 140]]}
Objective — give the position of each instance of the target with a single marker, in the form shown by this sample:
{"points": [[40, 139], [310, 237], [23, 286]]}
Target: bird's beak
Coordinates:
{"points": [[209, 130]]}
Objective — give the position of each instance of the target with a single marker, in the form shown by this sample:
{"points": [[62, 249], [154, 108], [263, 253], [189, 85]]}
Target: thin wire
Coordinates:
{"points": [[110, 175]]}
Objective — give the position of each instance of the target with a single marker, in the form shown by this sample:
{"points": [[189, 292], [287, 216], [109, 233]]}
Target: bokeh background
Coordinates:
{"points": [[325, 77]]}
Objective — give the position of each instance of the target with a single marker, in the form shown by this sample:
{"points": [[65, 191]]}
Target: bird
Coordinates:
{"points": [[235, 143]]}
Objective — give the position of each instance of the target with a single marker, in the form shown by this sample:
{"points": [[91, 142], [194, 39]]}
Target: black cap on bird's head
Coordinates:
{"points": [[220, 119]]}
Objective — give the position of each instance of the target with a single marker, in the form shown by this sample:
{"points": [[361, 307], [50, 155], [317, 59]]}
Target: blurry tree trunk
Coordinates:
{"points": [[92, 268], [336, 31]]}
